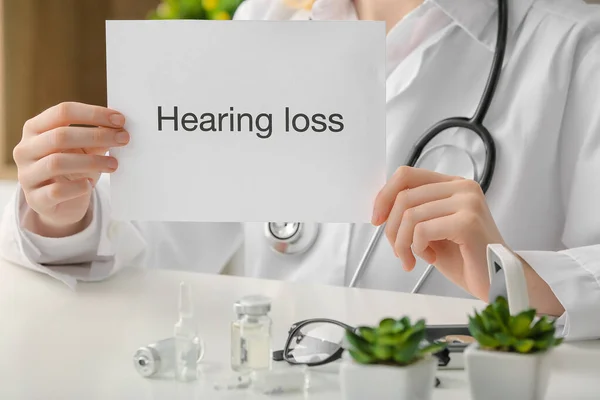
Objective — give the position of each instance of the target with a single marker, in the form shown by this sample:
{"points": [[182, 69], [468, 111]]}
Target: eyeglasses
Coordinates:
{"points": [[320, 341], [314, 342]]}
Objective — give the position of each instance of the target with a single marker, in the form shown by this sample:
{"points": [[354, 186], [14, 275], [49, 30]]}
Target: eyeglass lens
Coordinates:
{"points": [[315, 342]]}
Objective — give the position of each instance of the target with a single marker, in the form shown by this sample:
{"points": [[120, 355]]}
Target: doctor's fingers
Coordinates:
{"points": [[404, 237], [69, 113], [47, 197], [407, 199], [404, 178], [69, 138], [61, 164], [462, 228]]}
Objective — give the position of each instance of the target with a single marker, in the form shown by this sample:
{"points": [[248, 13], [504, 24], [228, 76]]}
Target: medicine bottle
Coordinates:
{"points": [[251, 335], [157, 360]]}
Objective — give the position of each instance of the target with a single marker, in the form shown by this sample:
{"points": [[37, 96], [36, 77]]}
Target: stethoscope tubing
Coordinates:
{"points": [[367, 255]]}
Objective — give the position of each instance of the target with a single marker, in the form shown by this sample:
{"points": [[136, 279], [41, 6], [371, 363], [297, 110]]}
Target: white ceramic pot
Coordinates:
{"points": [[361, 382], [496, 375]]}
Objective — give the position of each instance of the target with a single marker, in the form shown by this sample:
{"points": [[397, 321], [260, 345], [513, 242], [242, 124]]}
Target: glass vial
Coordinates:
{"points": [[251, 335], [157, 360]]}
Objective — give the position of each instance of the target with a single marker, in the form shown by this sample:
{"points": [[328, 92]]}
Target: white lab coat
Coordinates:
{"points": [[544, 197]]}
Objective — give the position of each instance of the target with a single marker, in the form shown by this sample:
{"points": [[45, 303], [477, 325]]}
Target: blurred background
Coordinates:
{"points": [[53, 50]]}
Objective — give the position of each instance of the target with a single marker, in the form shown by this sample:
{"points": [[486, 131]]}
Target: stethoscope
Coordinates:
{"points": [[293, 238]]}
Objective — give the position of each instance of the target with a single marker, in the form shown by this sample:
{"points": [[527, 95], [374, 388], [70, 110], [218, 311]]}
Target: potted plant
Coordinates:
{"points": [[389, 361], [509, 359]]}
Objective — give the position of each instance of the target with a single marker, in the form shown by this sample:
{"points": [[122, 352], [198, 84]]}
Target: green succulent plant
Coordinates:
{"points": [[393, 342], [495, 329], [195, 9]]}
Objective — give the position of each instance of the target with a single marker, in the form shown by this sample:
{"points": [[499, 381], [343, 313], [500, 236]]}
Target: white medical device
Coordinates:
{"points": [[507, 278]]}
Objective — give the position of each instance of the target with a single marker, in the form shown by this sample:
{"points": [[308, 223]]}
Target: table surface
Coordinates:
{"points": [[61, 344]]}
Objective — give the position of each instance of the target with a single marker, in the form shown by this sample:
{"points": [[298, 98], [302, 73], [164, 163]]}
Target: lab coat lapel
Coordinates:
{"points": [[479, 17], [408, 44]]}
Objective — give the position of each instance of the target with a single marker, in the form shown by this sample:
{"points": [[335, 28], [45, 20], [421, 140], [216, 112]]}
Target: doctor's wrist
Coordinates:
{"points": [[47, 227], [541, 296]]}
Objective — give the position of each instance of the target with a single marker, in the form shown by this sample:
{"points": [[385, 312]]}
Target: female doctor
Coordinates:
{"points": [[542, 203]]}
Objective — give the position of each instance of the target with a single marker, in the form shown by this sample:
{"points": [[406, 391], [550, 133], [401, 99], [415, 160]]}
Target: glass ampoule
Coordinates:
{"points": [[188, 344]]}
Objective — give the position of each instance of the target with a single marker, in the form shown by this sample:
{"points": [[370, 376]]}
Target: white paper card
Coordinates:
{"points": [[276, 120]]}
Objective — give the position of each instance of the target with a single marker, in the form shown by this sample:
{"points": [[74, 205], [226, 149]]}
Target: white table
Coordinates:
{"points": [[60, 344]]}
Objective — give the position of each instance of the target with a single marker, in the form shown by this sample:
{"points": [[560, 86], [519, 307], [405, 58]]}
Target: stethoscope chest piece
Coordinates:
{"points": [[291, 237]]}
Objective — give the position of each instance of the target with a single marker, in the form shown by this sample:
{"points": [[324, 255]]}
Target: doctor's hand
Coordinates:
{"points": [[442, 219], [58, 164]]}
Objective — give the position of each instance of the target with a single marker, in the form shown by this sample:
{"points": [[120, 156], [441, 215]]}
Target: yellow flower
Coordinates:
{"points": [[305, 4], [210, 5], [221, 15]]}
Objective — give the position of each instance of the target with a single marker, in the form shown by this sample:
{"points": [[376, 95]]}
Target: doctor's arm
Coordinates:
{"points": [[573, 274], [56, 222], [445, 220]]}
